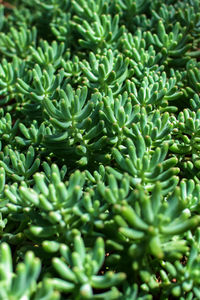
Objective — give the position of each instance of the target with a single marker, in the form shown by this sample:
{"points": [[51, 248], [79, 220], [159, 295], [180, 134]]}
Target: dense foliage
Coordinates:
{"points": [[100, 149]]}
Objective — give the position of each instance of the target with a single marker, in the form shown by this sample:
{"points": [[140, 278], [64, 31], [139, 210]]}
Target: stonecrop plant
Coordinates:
{"points": [[99, 150]]}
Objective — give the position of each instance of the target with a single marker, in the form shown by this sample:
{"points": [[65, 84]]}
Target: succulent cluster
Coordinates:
{"points": [[100, 150]]}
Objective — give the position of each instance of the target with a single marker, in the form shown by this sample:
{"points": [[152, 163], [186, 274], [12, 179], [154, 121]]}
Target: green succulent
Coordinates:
{"points": [[99, 149]]}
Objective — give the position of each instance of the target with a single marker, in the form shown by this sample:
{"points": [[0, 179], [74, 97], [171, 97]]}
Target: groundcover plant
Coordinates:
{"points": [[100, 149]]}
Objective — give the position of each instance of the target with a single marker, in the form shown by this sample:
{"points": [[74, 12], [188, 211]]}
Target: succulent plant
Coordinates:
{"points": [[99, 149]]}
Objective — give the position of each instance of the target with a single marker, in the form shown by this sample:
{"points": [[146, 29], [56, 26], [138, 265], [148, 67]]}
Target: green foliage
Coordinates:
{"points": [[85, 267], [19, 166], [17, 43], [103, 32], [23, 282], [100, 149], [106, 71], [10, 71]]}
